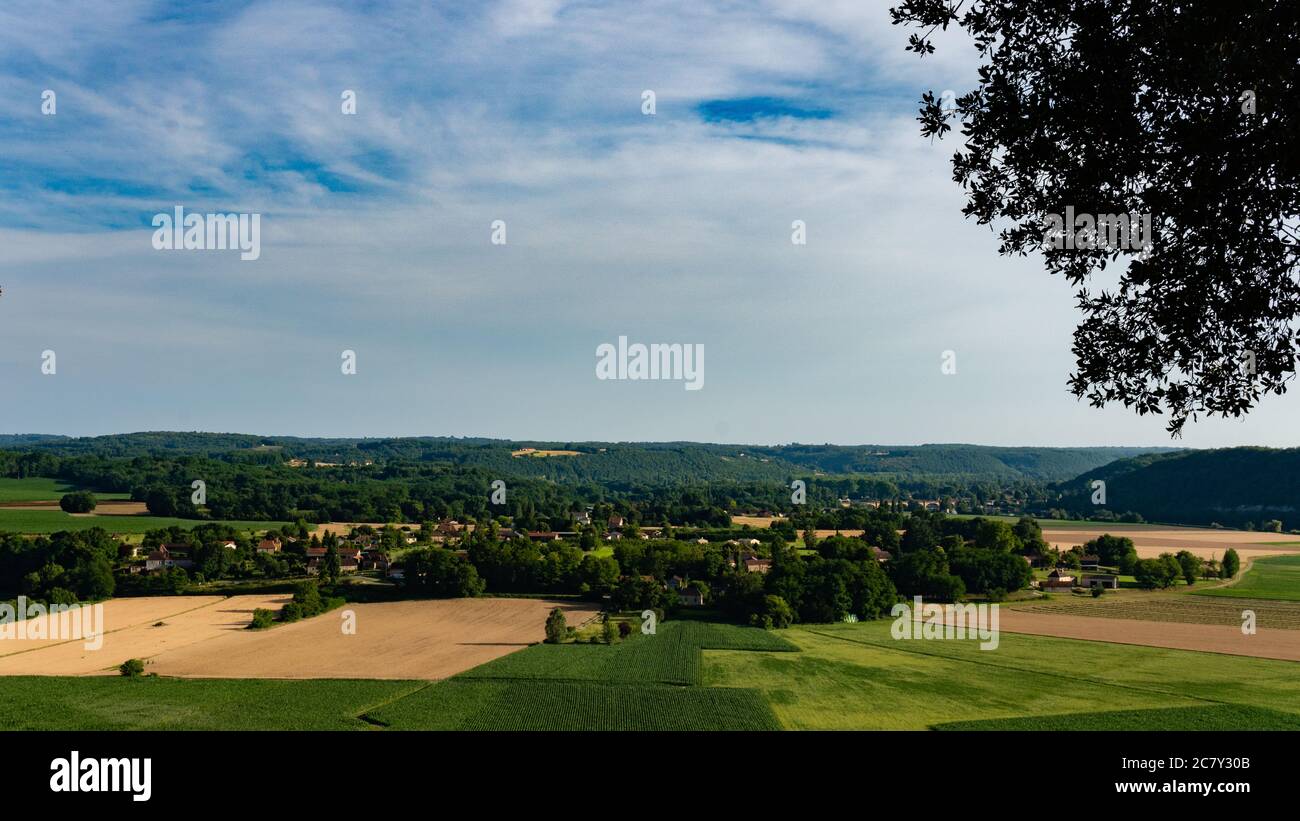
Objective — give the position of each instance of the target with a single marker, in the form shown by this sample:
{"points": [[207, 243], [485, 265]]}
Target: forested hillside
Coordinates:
{"points": [[1235, 487]]}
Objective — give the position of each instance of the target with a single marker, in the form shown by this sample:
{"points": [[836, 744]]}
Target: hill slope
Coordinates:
{"points": [[1232, 486]]}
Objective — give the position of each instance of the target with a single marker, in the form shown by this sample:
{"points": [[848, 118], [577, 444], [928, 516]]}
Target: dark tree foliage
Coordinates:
{"points": [[79, 501], [1185, 112]]}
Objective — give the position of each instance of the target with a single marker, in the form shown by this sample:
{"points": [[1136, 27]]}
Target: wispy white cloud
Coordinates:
{"points": [[376, 227]]}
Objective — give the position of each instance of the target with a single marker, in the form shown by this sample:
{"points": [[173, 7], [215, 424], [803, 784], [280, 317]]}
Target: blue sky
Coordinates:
{"points": [[376, 229]]}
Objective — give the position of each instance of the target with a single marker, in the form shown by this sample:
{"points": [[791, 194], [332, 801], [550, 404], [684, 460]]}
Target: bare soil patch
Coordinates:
{"points": [[1273, 644], [428, 639], [129, 632]]}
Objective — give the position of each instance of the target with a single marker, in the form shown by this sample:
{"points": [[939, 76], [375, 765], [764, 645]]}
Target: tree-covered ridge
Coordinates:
{"points": [[612, 462], [1232, 486]]}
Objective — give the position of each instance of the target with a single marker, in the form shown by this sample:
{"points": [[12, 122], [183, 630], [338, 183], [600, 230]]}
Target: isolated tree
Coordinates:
{"points": [[1183, 112], [79, 501], [332, 566], [556, 627], [1230, 565]]}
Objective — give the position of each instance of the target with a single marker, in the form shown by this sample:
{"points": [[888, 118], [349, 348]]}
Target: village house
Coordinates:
{"points": [[268, 546], [690, 597], [616, 522], [1058, 579], [879, 555], [167, 557], [374, 561], [754, 564]]}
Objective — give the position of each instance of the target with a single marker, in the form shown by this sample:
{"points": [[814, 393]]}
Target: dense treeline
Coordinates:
{"points": [[910, 467], [60, 569], [243, 488]]}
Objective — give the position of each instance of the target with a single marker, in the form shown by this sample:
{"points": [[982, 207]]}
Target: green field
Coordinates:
{"points": [[52, 521], [116, 703], [1216, 717], [1272, 577], [855, 676], [42, 490]]}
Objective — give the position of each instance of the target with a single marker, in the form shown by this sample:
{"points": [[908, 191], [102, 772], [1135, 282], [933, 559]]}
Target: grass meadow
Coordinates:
{"points": [[42, 490], [1272, 577], [855, 676], [17, 520]]}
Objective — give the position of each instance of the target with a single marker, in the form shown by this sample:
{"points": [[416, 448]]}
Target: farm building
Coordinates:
{"points": [[1090, 562], [1103, 580]]}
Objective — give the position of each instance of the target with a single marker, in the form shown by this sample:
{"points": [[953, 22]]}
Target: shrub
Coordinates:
{"points": [[131, 668], [1097, 591], [611, 632], [262, 618], [624, 630]]}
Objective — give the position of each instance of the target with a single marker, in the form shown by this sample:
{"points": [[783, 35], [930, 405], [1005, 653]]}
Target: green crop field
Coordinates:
{"points": [[671, 656], [491, 704], [42, 490], [642, 683], [155, 703], [855, 676], [16, 520], [1272, 577]]}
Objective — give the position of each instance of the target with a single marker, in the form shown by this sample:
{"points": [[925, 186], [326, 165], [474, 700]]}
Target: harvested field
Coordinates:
{"points": [[117, 508], [1204, 542], [129, 632], [429, 639], [1212, 638], [1172, 608], [344, 528]]}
